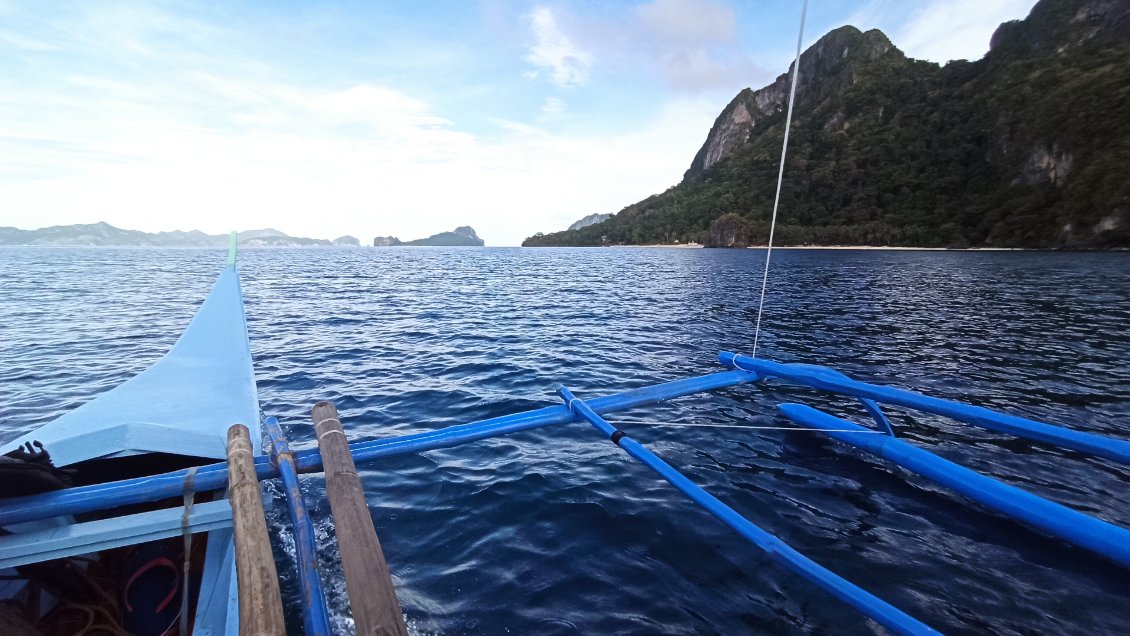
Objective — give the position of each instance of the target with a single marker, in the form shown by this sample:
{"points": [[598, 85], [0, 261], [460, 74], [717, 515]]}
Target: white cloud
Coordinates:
{"points": [[24, 42], [689, 45], [941, 30], [553, 107], [690, 22], [553, 50], [195, 135], [694, 44], [378, 107], [366, 160], [696, 70]]}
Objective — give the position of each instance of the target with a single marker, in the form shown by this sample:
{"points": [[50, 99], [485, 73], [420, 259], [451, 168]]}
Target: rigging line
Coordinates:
{"points": [[780, 176], [751, 428]]}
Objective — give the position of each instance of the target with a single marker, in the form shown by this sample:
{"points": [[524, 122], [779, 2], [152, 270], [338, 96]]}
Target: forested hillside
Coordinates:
{"points": [[1027, 147]]}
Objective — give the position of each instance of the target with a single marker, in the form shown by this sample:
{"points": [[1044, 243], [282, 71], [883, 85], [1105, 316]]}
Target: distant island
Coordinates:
{"points": [[1027, 147], [104, 234], [460, 237]]}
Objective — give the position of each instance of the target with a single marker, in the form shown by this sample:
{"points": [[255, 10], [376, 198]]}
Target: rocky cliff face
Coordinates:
{"points": [[1026, 147], [827, 67], [1059, 26], [591, 219]]}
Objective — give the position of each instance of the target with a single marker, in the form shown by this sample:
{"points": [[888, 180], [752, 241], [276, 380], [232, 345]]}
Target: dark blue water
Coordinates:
{"points": [[556, 531]]}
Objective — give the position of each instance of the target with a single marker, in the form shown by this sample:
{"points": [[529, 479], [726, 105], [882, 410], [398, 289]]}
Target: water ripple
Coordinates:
{"points": [[555, 531]]}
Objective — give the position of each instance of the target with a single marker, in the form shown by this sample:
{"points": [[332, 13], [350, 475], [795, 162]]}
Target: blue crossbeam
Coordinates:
{"points": [[870, 605], [84, 499]]}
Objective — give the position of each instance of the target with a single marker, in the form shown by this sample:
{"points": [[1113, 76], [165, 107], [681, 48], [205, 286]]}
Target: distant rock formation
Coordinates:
{"points": [[273, 238], [346, 241], [463, 236], [591, 219], [104, 234]]}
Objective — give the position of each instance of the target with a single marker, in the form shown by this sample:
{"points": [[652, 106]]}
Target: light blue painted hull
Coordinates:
{"points": [[184, 405]]}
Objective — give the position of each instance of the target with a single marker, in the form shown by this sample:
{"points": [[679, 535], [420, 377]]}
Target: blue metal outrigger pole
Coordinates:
{"points": [[84, 499], [1085, 531], [1094, 534], [870, 605], [833, 381], [315, 615]]}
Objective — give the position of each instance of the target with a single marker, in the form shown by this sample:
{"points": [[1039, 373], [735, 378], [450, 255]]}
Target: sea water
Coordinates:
{"points": [[557, 531]]}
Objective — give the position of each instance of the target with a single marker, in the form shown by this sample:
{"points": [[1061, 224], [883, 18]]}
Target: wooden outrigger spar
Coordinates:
{"points": [[206, 382]]}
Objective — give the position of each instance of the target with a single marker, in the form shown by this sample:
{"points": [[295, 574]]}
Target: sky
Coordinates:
{"points": [[397, 118]]}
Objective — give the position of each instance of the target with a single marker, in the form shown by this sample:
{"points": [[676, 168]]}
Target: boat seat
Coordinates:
{"points": [[104, 534]]}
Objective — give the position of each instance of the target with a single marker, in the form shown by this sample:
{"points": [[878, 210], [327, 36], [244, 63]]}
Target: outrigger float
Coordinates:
{"points": [[134, 547]]}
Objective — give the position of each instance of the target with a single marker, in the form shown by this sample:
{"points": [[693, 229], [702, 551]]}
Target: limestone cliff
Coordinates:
{"points": [[827, 68], [1027, 147], [591, 219]]}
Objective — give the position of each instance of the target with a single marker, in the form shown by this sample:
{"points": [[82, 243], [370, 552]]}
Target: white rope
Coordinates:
{"points": [[332, 431], [780, 177], [751, 428], [328, 419]]}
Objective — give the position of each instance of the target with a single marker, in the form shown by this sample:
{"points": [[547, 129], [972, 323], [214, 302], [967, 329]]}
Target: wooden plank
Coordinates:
{"points": [[103, 534], [376, 610], [260, 604]]}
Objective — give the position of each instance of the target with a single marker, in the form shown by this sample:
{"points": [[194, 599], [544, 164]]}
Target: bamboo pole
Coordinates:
{"points": [[376, 611], [260, 604]]}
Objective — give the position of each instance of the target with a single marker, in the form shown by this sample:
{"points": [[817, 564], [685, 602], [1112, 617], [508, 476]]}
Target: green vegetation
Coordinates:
{"points": [[463, 236], [1027, 147]]}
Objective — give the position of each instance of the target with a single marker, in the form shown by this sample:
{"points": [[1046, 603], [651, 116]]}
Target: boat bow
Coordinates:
{"points": [[183, 404]]}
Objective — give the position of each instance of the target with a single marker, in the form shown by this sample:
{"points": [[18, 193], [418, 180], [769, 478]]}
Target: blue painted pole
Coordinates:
{"points": [[1106, 539], [315, 616], [870, 605], [507, 424], [831, 380], [83, 499]]}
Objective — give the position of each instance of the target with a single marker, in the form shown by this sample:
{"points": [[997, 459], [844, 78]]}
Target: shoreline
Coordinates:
{"points": [[878, 248], [848, 247]]}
